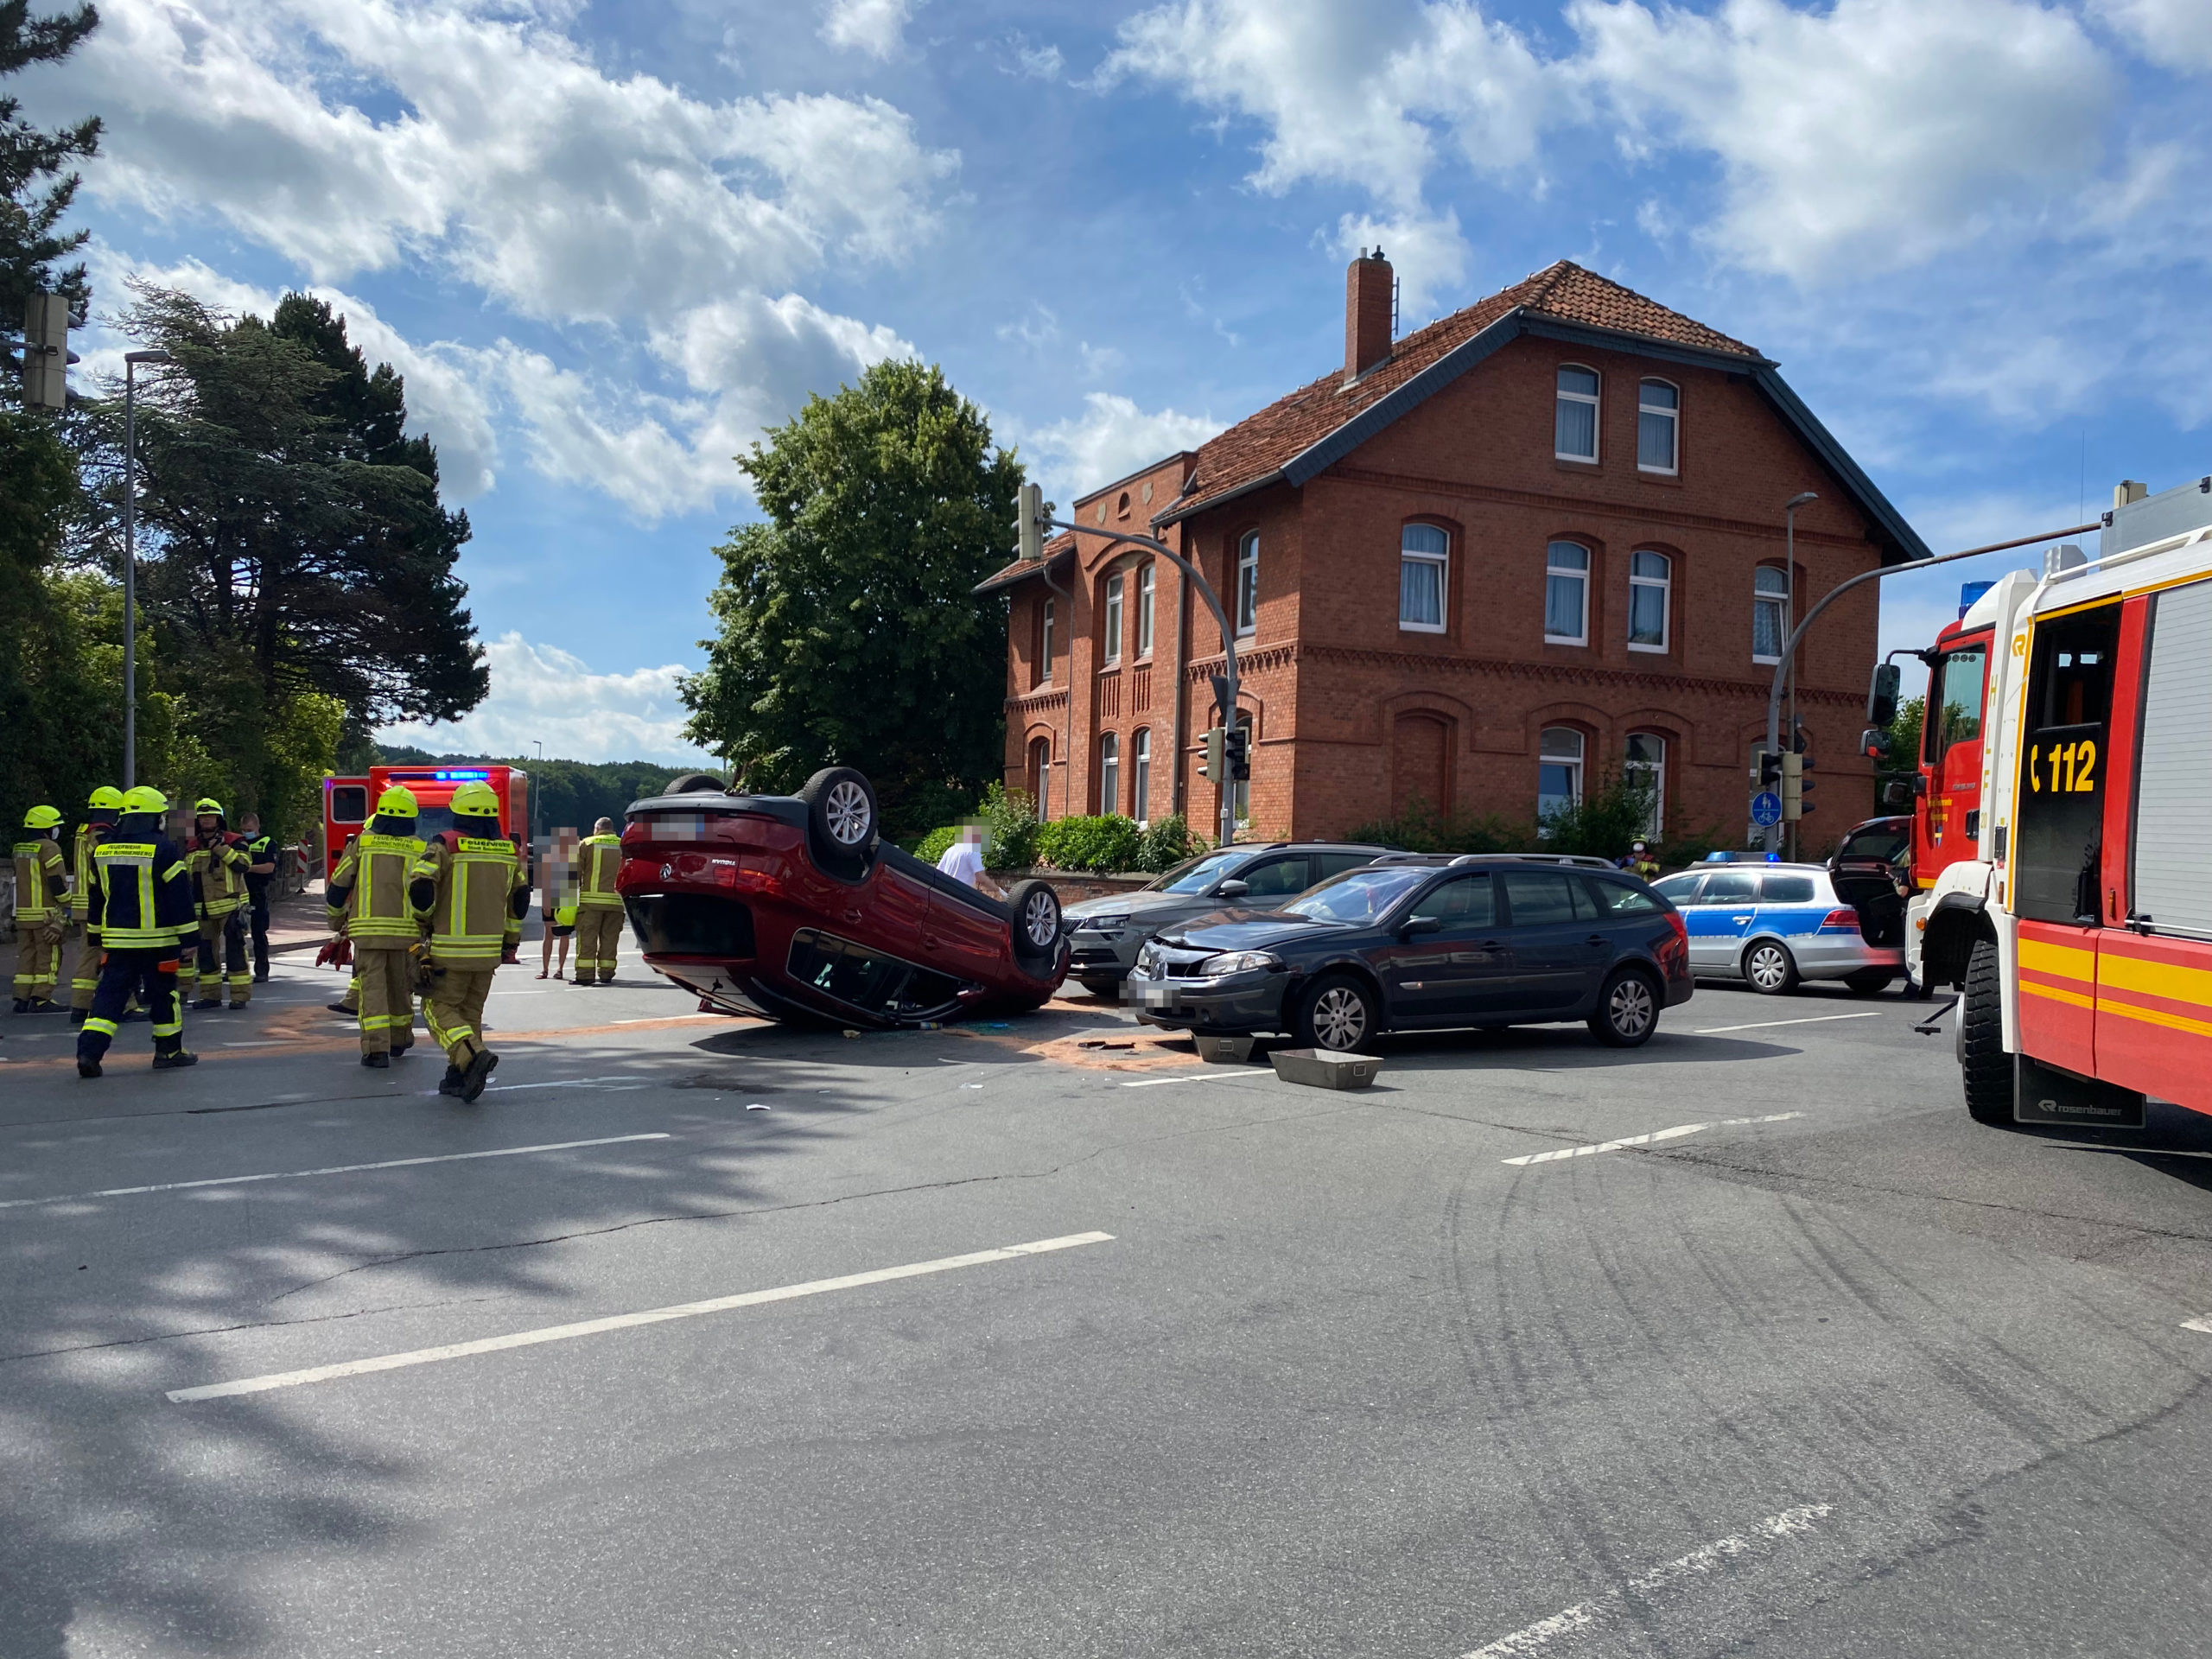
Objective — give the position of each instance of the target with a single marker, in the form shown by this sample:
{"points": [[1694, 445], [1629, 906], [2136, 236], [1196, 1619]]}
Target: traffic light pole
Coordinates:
{"points": [[1789, 649], [1197, 578]]}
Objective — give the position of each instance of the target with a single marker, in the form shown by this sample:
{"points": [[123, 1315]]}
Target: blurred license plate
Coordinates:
{"points": [[1157, 996]]}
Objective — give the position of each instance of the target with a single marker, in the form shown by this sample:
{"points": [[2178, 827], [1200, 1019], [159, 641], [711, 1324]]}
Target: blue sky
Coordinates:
{"points": [[608, 243]]}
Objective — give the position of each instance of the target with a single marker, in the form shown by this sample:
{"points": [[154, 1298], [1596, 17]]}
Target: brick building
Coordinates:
{"points": [[1535, 544]]}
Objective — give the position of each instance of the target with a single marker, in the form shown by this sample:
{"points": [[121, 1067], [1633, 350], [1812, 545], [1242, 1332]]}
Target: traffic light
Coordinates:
{"points": [[46, 350], [1794, 787], [1238, 745], [1215, 768], [1029, 519], [1766, 768]]}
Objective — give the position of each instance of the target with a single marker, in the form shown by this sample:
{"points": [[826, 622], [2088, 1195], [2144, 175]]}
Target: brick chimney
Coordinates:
{"points": [[1368, 306]]}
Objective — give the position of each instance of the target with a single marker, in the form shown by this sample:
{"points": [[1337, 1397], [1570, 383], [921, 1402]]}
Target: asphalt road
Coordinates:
{"points": [[1302, 1374]]}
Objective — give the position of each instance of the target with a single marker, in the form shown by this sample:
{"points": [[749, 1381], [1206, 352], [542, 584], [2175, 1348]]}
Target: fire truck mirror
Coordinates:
{"points": [[1882, 695]]}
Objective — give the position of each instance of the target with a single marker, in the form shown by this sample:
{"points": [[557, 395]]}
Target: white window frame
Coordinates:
{"points": [[1575, 764], [1248, 584], [1045, 646], [1781, 600], [1656, 825], [1110, 772], [1673, 418], [1582, 577], [1665, 584], [1595, 399], [1443, 564], [1114, 620], [1140, 774], [1144, 610]]}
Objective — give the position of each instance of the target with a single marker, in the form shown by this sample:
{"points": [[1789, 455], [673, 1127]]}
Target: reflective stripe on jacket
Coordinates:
{"points": [[378, 869], [39, 879], [472, 918], [599, 862], [219, 875], [145, 894], [80, 891]]}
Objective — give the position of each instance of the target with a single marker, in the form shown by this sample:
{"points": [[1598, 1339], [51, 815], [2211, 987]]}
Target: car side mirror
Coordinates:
{"points": [[1882, 695], [1232, 889], [1896, 793], [1413, 925]]}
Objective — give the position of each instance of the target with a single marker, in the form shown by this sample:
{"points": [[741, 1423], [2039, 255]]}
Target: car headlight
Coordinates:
{"points": [[1148, 961], [1241, 962], [1102, 924]]}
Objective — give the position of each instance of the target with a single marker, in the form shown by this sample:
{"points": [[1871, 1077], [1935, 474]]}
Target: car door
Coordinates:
{"points": [[1721, 919], [1791, 907], [1457, 972], [1558, 946], [963, 940], [1269, 882]]}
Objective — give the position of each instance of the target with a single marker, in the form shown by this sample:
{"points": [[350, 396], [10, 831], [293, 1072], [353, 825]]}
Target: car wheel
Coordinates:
{"points": [[1984, 1066], [1771, 969], [697, 783], [1036, 910], [1338, 1014], [1627, 1012], [1868, 980], [1107, 987], [841, 813]]}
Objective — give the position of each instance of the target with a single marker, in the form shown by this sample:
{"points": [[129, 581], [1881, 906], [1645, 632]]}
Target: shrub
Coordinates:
{"points": [[931, 848], [1010, 827], [1605, 821], [1102, 845], [1420, 829], [1165, 844]]}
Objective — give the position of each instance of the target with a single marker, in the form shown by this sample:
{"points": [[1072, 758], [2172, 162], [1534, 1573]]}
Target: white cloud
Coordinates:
{"points": [[2175, 33], [1111, 439], [1426, 251], [869, 26], [542, 694], [1038, 62]]}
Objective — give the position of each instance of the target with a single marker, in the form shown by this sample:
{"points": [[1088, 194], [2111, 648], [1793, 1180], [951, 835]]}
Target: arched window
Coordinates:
{"points": [[1658, 422], [1248, 584], [1650, 594], [1424, 556], [1574, 425], [1140, 775], [1114, 619], [1559, 771], [1645, 768], [1769, 613], [1144, 610], [1567, 595], [1045, 644], [1041, 775], [1109, 772], [1122, 508]]}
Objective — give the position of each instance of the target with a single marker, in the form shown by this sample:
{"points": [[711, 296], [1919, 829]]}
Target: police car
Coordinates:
{"points": [[1772, 925]]}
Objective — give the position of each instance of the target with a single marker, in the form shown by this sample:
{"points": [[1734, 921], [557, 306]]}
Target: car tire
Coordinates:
{"points": [[1339, 1015], [1867, 981], [841, 819], [1984, 1068], [697, 783], [1770, 969], [1035, 921], [1103, 987], [1628, 1009]]}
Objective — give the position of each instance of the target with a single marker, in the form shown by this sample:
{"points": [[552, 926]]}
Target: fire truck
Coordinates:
{"points": [[2065, 800], [348, 802]]}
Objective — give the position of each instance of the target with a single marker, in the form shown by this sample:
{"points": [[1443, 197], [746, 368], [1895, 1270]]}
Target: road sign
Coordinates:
{"points": [[1766, 808]]}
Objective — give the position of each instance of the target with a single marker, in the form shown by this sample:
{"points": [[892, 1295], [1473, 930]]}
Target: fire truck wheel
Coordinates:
{"points": [[1984, 1066]]}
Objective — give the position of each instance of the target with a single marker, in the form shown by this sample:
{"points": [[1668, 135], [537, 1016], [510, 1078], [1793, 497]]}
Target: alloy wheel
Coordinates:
{"points": [[847, 813], [1630, 1009], [1039, 921], [1339, 1018]]}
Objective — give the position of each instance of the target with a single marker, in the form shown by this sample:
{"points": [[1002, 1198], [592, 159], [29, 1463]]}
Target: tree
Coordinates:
{"points": [[31, 239], [850, 633]]}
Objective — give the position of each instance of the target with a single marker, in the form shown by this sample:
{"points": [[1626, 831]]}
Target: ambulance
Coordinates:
{"points": [[2075, 914]]}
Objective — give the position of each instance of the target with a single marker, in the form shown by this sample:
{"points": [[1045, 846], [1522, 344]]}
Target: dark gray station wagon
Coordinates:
{"points": [[1414, 943]]}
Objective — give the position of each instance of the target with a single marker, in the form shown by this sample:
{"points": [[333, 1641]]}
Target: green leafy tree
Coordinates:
{"points": [[38, 191], [849, 631]]}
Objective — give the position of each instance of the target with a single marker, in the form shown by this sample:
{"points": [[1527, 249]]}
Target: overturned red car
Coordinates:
{"points": [[792, 907]]}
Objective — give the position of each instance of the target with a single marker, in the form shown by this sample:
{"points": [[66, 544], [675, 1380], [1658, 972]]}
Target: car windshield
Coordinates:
{"points": [[1360, 895], [1886, 843], [1197, 874]]}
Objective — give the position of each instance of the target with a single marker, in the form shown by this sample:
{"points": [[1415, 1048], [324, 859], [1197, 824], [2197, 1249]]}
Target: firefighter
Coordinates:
{"points": [[144, 906], [41, 912], [260, 871], [99, 818], [598, 907], [367, 901], [219, 861], [1639, 862], [470, 885]]}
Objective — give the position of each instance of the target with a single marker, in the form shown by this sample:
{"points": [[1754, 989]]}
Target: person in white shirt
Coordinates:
{"points": [[963, 861]]}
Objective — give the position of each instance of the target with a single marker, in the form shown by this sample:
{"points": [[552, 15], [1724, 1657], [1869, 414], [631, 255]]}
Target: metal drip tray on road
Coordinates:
{"points": [[1322, 1070]]}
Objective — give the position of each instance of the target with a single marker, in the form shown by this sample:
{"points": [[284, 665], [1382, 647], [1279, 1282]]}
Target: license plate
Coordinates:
{"points": [[1157, 996]]}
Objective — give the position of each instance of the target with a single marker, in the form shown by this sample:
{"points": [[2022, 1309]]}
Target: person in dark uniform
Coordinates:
{"points": [[262, 850], [144, 904]]}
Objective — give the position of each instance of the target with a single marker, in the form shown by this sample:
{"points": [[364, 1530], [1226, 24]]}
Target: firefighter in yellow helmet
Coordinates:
{"points": [[100, 814], [219, 861], [367, 903], [143, 906], [598, 907], [470, 887], [41, 912]]}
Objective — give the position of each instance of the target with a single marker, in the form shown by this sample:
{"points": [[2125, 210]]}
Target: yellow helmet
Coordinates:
{"points": [[145, 799], [476, 800], [106, 798], [209, 804], [397, 801], [42, 817]]}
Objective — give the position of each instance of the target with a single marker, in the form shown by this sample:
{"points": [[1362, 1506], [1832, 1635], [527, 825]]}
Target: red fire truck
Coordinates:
{"points": [[2069, 896], [348, 802]]}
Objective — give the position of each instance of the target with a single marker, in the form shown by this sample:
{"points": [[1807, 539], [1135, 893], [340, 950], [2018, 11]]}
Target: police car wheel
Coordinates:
{"points": [[1770, 969]]}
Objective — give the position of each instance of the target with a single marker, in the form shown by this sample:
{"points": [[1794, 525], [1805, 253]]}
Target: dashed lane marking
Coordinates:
{"points": [[1657, 1135], [1608, 1609], [1812, 1019], [333, 1169], [626, 1321]]}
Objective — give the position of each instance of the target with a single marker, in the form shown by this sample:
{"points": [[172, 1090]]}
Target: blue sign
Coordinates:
{"points": [[1766, 808]]}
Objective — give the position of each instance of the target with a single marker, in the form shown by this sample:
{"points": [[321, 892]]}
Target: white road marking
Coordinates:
{"points": [[334, 1169], [626, 1321], [1600, 1610], [1675, 1133], [2204, 1325], [1763, 1025], [1154, 1082], [564, 1083], [270, 1043], [651, 1019]]}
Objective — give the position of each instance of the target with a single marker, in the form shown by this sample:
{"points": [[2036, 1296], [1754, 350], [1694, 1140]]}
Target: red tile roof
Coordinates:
{"points": [[1063, 543], [1259, 446]]}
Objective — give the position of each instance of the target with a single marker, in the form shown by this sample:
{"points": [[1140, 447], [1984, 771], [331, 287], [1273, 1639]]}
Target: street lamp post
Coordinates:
{"points": [[130, 362]]}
